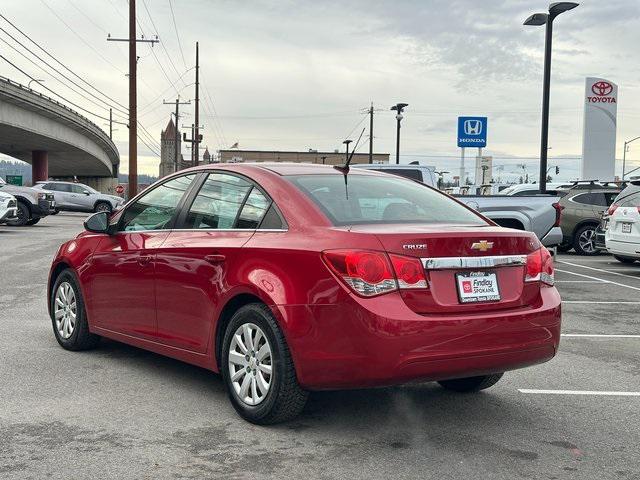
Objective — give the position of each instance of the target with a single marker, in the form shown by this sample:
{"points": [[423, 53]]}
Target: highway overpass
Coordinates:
{"points": [[55, 140]]}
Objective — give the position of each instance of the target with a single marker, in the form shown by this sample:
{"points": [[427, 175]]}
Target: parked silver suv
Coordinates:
{"points": [[77, 197]]}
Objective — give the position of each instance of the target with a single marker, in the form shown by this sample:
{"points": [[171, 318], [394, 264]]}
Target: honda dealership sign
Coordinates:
{"points": [[599, 134], [472, 131]]}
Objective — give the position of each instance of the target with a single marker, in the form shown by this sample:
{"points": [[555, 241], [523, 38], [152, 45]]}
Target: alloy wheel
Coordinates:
{"points": [[250, 364], [587, 241], [103, 207], [65, 310]]}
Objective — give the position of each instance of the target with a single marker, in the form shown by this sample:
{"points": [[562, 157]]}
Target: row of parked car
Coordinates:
{"points": [[24, 206]]}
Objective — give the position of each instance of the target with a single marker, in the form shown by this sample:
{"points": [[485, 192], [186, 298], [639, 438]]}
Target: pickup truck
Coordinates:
{"points": [[32, 204], [539, 214]]}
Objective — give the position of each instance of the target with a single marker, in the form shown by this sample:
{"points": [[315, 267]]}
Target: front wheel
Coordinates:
{"points": [[627, 260], [258, 369], [584, 240], [68, 314], [471, 384], [33, 221], [22, 217], [102, 207]]}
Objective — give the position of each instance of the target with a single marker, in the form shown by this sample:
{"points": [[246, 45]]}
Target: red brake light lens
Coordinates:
{"points": [[369, 273], [540, 267], [409, 271], [559, 209], [612, 208]]}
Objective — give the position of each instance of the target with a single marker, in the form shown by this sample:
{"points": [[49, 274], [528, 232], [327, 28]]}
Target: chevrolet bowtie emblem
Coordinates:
{"points": [[482, 245]]}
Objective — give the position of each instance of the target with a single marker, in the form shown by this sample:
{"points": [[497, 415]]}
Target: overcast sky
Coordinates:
{"points": [[295, 75]]}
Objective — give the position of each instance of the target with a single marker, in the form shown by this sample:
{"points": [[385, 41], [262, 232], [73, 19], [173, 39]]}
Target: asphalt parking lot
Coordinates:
{"points": [[120, 412]]}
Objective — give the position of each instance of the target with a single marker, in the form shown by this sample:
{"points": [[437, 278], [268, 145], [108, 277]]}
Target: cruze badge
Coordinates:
{"points": [[414, 246], [482, 245]]}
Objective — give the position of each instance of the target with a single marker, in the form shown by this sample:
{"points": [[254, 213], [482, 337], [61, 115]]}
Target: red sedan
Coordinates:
{"points": [[287, 278]]}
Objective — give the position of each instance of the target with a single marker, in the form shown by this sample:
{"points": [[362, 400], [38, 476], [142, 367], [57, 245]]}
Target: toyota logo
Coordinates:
{"points": [[602, 88]]}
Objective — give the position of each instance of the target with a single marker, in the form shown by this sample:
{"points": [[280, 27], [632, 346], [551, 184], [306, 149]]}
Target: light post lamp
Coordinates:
{"points": [[347, 142], [398, 108], [538, 19], [624, 154]]}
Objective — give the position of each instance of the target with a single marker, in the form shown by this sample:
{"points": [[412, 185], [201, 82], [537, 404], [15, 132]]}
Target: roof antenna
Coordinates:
{"points": [[345, 168]]}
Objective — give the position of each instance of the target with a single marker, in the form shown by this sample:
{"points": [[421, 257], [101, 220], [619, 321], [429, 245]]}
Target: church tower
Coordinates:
{"points": [[167, 149], [206, 157]]}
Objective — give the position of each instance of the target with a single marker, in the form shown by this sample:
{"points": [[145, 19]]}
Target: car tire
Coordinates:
{"points": [[584, 241], [103, 207], [564, 247], [471, 384], [55, 212], [23, 216], [71, 333], [628, 260], [33, 221], [280, 398]]}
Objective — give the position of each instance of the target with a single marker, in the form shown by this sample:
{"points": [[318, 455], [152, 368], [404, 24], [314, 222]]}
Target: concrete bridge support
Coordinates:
{"points": [[39, 165]]}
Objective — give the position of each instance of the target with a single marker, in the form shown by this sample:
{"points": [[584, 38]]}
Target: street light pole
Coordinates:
{"points": [[398, 108], [624, 155], [538, 19], [347, 142]]}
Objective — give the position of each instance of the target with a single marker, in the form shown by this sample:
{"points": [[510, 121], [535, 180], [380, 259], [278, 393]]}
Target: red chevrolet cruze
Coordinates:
{"points": [[287, 278]]}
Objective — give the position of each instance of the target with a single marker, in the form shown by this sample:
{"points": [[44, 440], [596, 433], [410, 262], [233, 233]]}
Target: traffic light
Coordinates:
{"points": [[557, 170]]}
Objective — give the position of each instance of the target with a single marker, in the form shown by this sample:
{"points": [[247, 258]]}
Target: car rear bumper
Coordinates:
{"points": [[623, 248], [552, 238], [349, 346], [8, 214]]}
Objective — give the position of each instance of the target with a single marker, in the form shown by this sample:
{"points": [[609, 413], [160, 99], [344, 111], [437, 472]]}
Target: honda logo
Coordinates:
{"points": [[472, 127], [601, 88]]}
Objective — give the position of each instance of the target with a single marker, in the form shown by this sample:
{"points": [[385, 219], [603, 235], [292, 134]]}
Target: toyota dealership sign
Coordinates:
{"points": [[599, 133]]}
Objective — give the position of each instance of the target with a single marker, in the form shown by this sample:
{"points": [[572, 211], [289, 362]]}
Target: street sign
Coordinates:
{"points": [[14, 180], [120, 189], [472, 131]]}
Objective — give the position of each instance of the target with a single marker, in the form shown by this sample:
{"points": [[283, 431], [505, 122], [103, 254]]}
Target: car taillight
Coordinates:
{"points": [[540, 267], [409, 271], [612, 208], [559, 209], [370, 273]]}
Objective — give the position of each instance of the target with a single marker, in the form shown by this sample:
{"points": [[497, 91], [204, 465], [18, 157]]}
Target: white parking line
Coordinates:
{"points": [[579, 392], [580, 281], [597, 302], [601, 279], [599, 270], [598, 335]]}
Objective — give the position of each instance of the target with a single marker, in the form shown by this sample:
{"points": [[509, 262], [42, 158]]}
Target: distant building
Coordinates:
{"points": [[206, 156], [168, 149], [234, 155]]}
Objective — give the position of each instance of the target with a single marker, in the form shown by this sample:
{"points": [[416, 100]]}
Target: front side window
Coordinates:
{"points": [[381, 200], [78, 188], [154, 210]]}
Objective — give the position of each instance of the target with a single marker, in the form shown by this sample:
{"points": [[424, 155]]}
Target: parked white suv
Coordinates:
{"points": [[8, 207], [422, 173], [78, 197], [622, 236]]}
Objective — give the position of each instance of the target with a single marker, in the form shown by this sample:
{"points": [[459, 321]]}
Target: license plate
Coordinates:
{"points": [[476, 287], [626, 228]]}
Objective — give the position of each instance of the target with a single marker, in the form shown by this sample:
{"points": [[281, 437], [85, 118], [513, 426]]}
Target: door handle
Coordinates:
{"points": [[214, 258], [144, 259]]}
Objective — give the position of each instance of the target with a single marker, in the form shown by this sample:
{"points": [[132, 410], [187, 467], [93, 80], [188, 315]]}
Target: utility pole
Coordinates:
{"points": [[110, 123], [177, 140], [371, 134], [196, 134], [133, 99], [194, 141]]}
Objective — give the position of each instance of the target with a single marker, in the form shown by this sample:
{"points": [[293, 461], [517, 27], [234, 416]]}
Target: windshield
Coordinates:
{"points": [[381, 200]]}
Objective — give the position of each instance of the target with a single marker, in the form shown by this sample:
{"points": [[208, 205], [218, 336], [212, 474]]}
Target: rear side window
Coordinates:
{"points": [[596, 199], [629, 197], [381, 200]]}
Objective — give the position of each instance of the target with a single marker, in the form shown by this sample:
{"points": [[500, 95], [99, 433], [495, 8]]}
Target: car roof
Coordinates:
{"points": [[285, 168]]}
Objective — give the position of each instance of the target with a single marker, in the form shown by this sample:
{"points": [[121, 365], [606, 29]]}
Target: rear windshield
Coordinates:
{"points": [[629, 197], [381, 199]]}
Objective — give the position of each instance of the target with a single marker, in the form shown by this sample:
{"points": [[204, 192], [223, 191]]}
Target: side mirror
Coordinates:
{"points": [[97, 223], [86, 192]]}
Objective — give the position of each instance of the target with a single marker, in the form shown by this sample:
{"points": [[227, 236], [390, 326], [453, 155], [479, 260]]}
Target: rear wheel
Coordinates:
{"points": [[624, 259], [471, 384], [22, 216], [258, 369], [584, 240], [68, 314], [564, 247]]}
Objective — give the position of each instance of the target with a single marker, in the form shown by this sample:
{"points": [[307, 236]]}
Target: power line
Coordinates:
{"points": [[59, 62], [175, 26], [109, 105], [167, 89], [58, 95]]}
